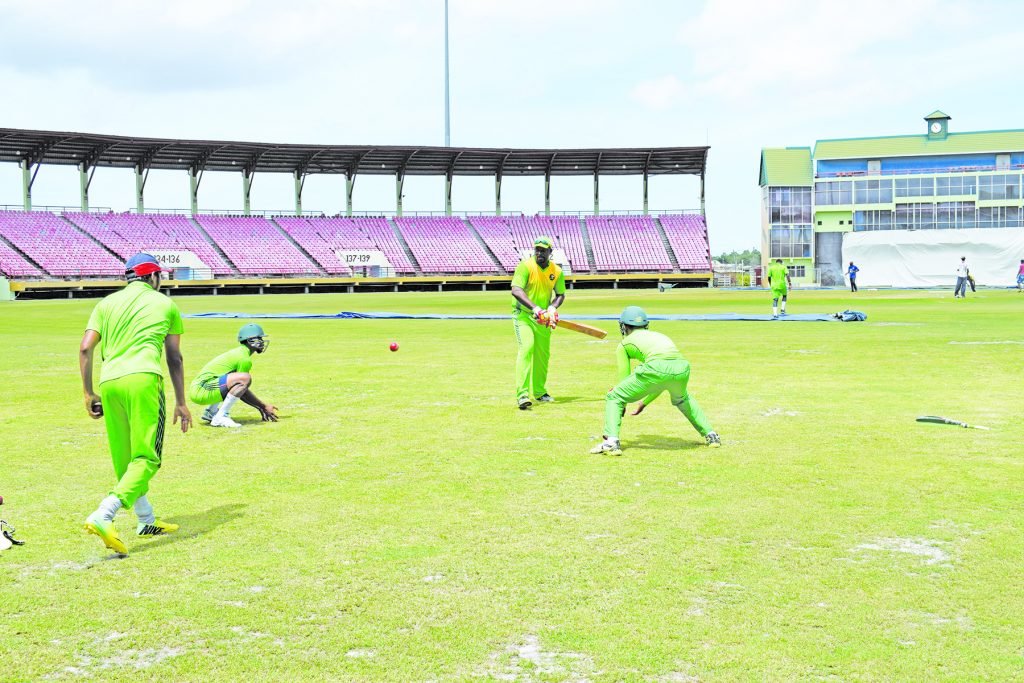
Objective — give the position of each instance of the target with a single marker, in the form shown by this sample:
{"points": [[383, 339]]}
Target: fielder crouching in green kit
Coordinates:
{"points": [[133, 327], [662, 368]]}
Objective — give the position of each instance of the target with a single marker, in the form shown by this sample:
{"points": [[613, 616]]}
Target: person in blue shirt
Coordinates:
{"points": [[852, 271]]}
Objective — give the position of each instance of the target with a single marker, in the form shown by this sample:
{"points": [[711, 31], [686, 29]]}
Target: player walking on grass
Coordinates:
{"points": [[779, 281], [538, 287], [134, 326], [1020, 277], [226, 379], [661, 368]]}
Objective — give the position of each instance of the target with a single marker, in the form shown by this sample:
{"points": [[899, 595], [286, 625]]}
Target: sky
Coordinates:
{"points": [[733, 74]]}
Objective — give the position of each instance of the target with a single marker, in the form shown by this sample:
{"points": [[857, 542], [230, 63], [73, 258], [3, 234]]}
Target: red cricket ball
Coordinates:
{"points": [[394, 346]]}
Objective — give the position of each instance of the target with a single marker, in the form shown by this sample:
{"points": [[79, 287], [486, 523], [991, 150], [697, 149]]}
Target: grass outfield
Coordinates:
{"points": [[404, 522]]}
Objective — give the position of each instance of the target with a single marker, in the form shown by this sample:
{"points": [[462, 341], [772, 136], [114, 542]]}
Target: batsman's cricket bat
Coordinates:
{"points": [[585, 329], [946, 421]]}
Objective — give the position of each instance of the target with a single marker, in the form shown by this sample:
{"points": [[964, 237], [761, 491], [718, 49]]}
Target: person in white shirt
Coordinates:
{"points": [[961, 279]]}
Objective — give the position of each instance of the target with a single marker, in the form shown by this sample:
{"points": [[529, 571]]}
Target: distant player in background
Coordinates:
{"points": [[538, 287], [779, 282], [226, 379], [961, 279], [852, 271], [661, 368], [134, 326], [1020, 277]]}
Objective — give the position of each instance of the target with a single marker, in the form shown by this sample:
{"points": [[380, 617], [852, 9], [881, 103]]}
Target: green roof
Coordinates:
{"points": [[786, 166], [937, 115], [920, 145]]}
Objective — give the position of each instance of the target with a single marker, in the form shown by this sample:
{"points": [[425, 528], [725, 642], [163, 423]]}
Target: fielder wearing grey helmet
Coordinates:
{"points": [[660, 367], [227, 379]]}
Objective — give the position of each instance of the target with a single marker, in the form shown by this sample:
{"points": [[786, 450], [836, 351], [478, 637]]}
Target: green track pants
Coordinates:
{"points": [[533, 342], [133, 408], [647, 382]]}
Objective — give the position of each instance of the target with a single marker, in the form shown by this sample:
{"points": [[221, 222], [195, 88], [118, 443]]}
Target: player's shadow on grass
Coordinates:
{"points": [[662, 443], [195, 525], [579, 399]]}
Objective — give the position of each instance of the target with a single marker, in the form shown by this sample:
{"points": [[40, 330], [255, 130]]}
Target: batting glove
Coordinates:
{"points": [[552, 316]]}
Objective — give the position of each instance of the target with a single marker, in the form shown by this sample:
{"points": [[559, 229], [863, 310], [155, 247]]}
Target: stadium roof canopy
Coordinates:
{"points": [[47, 147]]}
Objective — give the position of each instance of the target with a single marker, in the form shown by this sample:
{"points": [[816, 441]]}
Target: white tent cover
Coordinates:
{"points": [[929, 258]]}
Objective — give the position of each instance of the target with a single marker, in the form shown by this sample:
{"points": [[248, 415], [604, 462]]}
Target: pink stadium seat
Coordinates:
{"points": [[627, 243], [13, 264], [129, 233], [322, 237], [56, 245], [445, 244], [688, 236], [511, 236], [255, 246]]}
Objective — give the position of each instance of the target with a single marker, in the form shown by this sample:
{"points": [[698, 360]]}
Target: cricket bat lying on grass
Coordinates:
{"points": [[585, 329], [947, 421]]}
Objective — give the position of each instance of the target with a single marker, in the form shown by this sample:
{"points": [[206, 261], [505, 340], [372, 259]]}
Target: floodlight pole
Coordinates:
{"points": [[447, 100]]}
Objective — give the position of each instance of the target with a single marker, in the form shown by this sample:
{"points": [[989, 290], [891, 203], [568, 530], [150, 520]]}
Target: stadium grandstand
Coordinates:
{"points": [[46, 250], [905, 208]]}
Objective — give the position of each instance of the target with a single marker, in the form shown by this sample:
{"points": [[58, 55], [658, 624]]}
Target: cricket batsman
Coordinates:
{"points": [[779, 282], [226, 379], [134, 326], [538, 286], [661, 368]]}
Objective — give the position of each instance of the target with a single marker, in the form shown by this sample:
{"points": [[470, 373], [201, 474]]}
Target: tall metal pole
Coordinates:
{"points": [[447, 102]]}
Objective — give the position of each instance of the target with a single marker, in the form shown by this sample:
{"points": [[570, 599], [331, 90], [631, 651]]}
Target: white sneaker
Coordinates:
{"points": [[225, 421], [611, 447]]}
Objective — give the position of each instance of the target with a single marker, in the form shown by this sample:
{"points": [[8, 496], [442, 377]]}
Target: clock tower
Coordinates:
{"points": [[938, 125]]}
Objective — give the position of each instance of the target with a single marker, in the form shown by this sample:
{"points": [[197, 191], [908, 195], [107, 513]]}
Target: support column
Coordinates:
{"points": [[246, 191], [350, 182], [702, 193], [298, 193], [193, 190], [645, 193], [547, 194], [399, 181], [140, 190], [83, 184], [497, 195], [597, 195], [26, 185], [448, 195]]}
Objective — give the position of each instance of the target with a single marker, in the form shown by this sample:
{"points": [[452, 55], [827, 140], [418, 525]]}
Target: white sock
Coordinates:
{"points": [[144, 511], [783, 306], [225, 408], [109, 507], [775, 310]]}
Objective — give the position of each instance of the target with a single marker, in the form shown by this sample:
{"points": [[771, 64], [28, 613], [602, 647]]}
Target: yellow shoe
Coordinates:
{"points": [[157, 528], [95, 524]]}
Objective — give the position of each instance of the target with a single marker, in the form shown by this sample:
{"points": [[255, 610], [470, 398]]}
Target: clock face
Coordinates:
{"points": [[936, 127]]}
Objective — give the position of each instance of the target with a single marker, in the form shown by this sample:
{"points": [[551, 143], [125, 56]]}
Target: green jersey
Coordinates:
{"points": [[538, 283], [777, 274], [132, 325], [238, 359], [644, 346]]}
